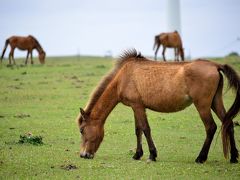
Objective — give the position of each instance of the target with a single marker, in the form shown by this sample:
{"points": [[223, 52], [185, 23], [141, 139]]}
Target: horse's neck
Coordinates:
{"points": [[105, 104], [39, 49]]}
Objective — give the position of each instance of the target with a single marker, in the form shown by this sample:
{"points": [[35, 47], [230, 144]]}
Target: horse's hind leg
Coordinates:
{"points": [[163, 53], [9, 58], [26, 61], [158, 45], [220, 111], [210, 127], [142, 125]]}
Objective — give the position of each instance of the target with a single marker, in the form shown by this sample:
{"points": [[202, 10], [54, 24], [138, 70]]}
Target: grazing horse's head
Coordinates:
{"points": [[92, 135], [41, 57]]}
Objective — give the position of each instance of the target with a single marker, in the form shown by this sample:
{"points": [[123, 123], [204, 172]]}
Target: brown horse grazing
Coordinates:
{"points": [[24, 43], [169, 40], [163, 87]]}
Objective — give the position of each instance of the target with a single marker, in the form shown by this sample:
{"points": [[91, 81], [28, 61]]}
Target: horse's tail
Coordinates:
{"points": [[5, 47], [156, 42], [234, 83]]}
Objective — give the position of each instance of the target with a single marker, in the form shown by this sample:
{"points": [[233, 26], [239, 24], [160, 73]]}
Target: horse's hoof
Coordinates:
{"points": [[233, 160], [200, 160], [153, 154], [150, 160], [137, 155]]}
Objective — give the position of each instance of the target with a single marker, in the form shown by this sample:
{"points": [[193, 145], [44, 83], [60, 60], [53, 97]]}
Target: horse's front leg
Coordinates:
{"points": [[11, 56], [138, 132], [14, 62], [141, 118], [175, 54], [31, 57]]}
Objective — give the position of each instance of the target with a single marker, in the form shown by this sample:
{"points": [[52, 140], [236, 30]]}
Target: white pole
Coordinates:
{"points": [[173, 21]]}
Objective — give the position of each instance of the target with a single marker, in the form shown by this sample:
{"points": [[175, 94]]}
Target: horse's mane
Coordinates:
{"points": [[36, 41], [128, 55]]}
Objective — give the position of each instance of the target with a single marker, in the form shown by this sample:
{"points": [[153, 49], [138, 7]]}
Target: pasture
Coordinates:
{"points": [[44, 100]]}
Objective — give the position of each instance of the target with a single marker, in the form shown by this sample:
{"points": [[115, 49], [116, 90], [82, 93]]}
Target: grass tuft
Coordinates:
{"points": [[30, 139]]}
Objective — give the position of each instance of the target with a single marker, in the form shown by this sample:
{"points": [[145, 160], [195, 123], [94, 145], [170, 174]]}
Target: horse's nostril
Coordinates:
{"points": [[89, 156], [86, 155], [82, 155]]}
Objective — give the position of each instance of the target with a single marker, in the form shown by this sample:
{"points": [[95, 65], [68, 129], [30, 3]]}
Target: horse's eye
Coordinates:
{"points": [[81, 130]]}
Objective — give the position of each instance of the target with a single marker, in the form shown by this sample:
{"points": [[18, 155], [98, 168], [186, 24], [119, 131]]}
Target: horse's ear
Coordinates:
{"points": [[83, 114]]}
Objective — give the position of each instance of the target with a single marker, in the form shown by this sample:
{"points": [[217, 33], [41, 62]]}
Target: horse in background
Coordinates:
{"points": [[28, 43], [163, 87], [169, 40]]}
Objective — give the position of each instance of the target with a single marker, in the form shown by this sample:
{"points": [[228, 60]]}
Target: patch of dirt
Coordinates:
{"points": [[90, 74], [182, 137], [22, 115], [100, 66], [14, 87], [68, 167], [43, 82], [9, 65], [79, 81], [74, 77]]}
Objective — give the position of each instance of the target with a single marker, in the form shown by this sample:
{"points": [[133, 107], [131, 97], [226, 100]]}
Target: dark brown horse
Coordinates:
{"points": [[163, 87], [28, 43], [169, 40]]}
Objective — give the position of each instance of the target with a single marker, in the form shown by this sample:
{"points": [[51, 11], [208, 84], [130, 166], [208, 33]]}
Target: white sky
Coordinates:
{"points": [[92, 27]]}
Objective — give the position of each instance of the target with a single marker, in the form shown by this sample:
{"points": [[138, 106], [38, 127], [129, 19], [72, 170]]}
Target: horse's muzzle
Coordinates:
{"points": [[86, 155]]}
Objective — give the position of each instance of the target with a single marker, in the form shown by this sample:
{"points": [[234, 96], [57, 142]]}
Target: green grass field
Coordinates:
{"points": [[44, 100]]}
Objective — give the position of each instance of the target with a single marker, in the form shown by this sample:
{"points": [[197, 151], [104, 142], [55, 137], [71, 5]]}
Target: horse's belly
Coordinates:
{"points": [[160, 89], [168, 103], [169, 98]]}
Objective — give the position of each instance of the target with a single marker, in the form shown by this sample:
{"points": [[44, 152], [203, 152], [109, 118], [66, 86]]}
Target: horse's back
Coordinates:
{"points": [[21, 42]]}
